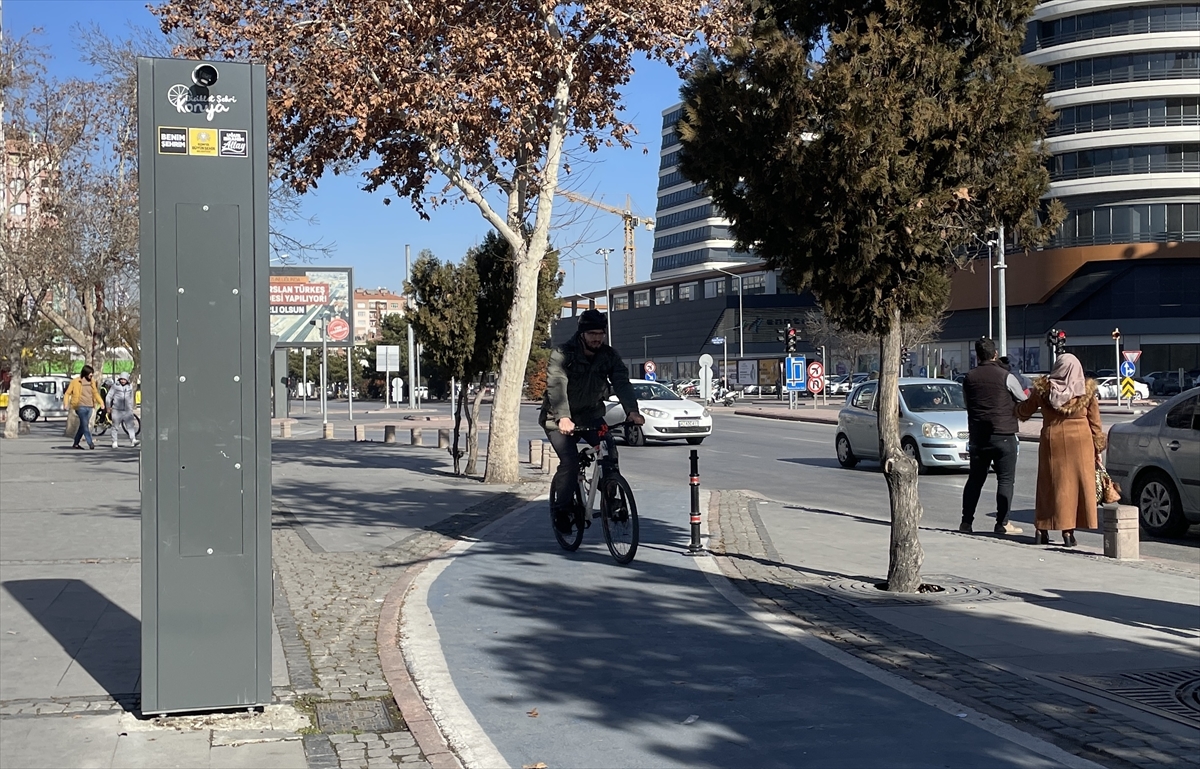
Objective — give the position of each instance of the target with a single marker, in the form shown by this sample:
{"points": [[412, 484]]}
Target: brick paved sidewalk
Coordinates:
{"points": [[746, 554]]}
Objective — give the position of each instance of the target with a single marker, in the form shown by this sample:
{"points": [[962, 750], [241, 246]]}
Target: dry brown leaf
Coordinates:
{"points": [[532, 713], [538, 765]]}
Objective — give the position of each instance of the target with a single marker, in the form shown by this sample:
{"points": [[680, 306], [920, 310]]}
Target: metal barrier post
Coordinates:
{"points": [[694, 547]]}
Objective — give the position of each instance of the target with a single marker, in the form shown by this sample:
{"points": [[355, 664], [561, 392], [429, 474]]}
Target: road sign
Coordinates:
{"points": [[387, 357], [651, 376], [649, 367], [1132, 355], [718, 340], [815, 384], [1127, 388], [816, 370], [795, 374], [338, 329], [1127, 368]]}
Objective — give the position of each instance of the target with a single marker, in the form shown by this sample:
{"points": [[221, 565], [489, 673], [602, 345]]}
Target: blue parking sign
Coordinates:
{"points": [[796, 374]]}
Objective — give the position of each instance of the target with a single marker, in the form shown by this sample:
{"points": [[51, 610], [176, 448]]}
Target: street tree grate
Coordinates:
{"points": [[868, 593], [353, 716], [1174, 693]]}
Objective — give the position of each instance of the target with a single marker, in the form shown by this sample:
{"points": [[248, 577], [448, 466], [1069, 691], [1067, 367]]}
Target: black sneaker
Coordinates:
{"points": [[562, 521], [965, 528]]}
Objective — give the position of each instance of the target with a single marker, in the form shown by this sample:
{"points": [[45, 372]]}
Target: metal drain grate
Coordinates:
{"points": [[1174, 694], [954, 590], [353, 716]]}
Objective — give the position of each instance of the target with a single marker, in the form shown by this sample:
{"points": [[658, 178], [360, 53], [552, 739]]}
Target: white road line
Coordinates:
{"points": [[422, 647], [721, 583]]}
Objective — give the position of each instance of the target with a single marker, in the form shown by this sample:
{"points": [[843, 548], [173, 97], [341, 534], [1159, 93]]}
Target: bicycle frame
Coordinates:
{"points": [[601, 457]]}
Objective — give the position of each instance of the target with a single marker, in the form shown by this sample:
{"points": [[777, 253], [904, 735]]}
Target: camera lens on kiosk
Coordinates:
{"points": [[204, 75]]}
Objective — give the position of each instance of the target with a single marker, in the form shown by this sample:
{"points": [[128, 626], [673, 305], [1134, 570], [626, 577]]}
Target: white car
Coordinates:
{"points": [[1109, 389], [933, 424], [42, 397], [668, 416]]}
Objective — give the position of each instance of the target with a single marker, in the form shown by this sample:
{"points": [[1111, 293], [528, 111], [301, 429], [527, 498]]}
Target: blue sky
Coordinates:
{"points": [[370, 237]]}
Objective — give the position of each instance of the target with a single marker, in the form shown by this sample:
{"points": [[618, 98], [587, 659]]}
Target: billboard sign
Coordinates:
{"points": [[300, 295]]}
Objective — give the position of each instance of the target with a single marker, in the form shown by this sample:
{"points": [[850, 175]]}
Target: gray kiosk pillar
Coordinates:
{"points": [[206, 455]]}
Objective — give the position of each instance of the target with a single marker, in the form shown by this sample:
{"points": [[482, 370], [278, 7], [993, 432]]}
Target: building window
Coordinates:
{"points": [[641, 298], [362, 305], [714, 288], [687, 292], [1119, 161], [620, 302], [395, 305], [753, 284], [664, 295], [1124, 68], [1145, 223]]}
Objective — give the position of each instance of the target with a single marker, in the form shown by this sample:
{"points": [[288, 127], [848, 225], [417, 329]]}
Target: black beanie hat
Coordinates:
{"points": [[592, 320]]}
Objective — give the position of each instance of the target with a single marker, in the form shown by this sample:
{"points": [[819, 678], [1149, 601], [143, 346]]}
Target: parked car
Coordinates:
{"points": [[1155, 459], [933, 424], [1166, 384], [1109, 388], [1105, 372], [668, 416], [1151, 377], [42, 397], [838, 384]]}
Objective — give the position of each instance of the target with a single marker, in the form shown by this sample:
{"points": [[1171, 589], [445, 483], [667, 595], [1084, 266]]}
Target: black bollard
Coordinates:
{"points": [[694, 547]]}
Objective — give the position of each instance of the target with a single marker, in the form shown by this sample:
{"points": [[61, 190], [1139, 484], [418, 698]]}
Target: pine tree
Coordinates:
{"points": [[860, 147]]}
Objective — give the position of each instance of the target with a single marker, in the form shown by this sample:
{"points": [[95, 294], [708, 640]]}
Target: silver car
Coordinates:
{"points": [[1156, 461], [933, 424]]}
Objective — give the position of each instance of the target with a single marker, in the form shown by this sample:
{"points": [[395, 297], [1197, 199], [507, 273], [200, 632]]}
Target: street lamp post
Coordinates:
{"points": [[645, 355], [1001, 266], [412, 361], [304, 384], [324, 318], [741, 323], [607, 299]]}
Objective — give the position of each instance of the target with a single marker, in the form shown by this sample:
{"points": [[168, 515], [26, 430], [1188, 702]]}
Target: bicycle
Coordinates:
{"points": [[104, 421], [618, 510]]}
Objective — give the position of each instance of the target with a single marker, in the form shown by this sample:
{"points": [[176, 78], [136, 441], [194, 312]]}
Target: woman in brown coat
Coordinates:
{"points": [[1071, 441]]}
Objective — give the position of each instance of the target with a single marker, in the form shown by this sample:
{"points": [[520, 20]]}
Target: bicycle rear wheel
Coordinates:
{"points": [[618, 512], [101, 425], [570, 540]]}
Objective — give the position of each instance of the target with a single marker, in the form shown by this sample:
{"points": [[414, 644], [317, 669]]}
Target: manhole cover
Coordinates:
{"points": [[954, 590], [1174, 694], [353, 716]]}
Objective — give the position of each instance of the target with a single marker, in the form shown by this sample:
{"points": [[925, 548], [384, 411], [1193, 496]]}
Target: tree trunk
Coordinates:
{"points": [[502, 460], [473, 428], [458, 410], [905, 556], [12, 424]]}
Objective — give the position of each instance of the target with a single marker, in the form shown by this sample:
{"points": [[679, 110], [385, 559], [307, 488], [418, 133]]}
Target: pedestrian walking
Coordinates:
{"points": [[82, 397], [120, 404], [991, 392], [1071, 441]]}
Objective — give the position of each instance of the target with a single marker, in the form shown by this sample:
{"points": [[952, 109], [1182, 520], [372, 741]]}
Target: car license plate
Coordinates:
{"points": [[689, 423]]}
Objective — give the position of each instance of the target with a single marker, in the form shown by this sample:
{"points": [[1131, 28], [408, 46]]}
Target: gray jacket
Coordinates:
{"points": [[120, 398], [576, 387]]}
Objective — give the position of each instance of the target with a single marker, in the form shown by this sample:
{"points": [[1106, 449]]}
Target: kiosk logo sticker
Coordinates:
{"points": [[202, 141], [233, 144], [188, 102], [172, 141]]}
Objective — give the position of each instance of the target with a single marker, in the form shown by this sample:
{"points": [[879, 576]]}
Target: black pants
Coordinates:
{"points": [[999, 451]]}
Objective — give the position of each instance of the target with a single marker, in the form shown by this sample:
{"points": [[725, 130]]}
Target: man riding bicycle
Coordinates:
{"points": [[578, 377]]}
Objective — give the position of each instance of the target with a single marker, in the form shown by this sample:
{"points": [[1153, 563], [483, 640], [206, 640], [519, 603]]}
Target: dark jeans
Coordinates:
{"points": [[999, 451], [85, 429], [567, 449]]}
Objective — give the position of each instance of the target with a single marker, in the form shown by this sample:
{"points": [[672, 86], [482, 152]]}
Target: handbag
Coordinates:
{"points": [[1107, 490]]}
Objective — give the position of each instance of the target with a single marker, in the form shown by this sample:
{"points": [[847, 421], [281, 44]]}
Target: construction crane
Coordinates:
{"points": [[631, 223]]}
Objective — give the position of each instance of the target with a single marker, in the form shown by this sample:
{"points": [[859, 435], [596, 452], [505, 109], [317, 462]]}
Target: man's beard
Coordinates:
{"points": [[593, 346]]}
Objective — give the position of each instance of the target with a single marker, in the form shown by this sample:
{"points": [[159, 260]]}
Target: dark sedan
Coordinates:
{"points": [[1156, 461]]}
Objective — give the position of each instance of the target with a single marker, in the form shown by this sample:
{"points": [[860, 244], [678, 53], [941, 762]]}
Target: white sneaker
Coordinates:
{"points": [[115, 445], [135, 443]]}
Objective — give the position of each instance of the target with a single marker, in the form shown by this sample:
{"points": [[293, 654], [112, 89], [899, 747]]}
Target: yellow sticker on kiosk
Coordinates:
{"points": [[202, 141]]}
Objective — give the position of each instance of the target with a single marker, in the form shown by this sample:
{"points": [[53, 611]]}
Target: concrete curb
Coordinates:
{"points": [[395, 671], [420, 721]]}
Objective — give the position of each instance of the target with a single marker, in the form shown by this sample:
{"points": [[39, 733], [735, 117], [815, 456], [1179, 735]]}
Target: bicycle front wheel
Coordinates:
{"points": [[571, 540], [618, 512], [101, 425]]}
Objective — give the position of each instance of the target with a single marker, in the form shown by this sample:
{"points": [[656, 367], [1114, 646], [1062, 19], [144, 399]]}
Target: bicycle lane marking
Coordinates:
{"points": [[422, 647], [725, 587], [510, 612]]}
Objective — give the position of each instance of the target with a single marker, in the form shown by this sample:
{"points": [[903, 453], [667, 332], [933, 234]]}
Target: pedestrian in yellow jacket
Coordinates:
{"points": [[83, 397]]}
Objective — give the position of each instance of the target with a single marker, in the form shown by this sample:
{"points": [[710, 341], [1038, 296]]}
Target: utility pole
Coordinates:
{"points": [[412, 347], [741, 318], [607, 298]]}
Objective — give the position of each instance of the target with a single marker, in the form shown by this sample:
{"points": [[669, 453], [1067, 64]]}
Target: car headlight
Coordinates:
{"points": [[934, 430], [656, 413]]}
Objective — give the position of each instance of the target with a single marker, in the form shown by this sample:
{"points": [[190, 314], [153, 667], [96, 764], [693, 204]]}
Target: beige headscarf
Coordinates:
{"points": [[1066, 380]]}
